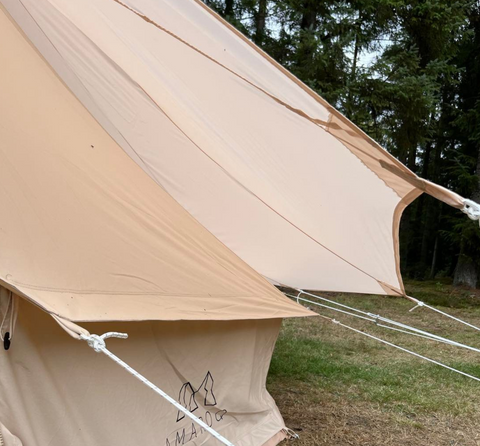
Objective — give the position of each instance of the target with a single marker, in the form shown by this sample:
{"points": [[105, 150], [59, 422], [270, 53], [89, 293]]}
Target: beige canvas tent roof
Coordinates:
{"points": [[157, 167], [87, 236], [214, 121]]}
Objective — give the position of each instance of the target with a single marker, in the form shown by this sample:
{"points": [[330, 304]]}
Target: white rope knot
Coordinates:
{"points": [[419, 303], [98, 342], [472, 209]]}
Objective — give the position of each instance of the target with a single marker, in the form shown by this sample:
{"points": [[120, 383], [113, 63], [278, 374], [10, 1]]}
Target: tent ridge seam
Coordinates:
{"points": [[324, 125], [313, 94], [109, 292], [73, 73], [295, 110]]}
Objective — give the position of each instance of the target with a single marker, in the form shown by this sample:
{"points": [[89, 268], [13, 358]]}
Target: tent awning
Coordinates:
{"points": [[262, 162], [85, 233]]}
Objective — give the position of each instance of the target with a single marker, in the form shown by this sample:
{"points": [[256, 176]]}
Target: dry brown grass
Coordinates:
{"points": [[323, 419]]}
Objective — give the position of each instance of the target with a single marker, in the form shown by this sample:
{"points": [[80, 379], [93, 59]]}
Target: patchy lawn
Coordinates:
{"points": [[335, 387]]}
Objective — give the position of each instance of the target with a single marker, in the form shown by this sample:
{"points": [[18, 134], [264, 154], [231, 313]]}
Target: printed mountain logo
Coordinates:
{"points": [[202, 401]]}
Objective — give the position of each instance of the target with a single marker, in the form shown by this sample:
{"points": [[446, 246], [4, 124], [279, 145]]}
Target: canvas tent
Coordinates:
{"points": [[154, 166], [214, 121], [86, 236]]}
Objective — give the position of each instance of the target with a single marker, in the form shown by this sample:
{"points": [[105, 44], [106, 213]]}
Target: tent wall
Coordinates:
{"points": [[56, 391]]}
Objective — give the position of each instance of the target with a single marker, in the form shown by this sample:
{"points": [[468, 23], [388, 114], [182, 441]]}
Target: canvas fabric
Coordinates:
{"points": [[7, 439], [54, 390], [270, 168], [156, 169], [85, 233]]}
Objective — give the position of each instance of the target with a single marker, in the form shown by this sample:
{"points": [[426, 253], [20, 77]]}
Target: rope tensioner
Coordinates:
{"points": [[430, 336], [391, 324], [419, 303], [472, 209]]}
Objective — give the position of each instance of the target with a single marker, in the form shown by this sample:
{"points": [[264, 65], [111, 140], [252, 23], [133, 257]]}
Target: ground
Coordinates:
{"points": [[335, 387]]}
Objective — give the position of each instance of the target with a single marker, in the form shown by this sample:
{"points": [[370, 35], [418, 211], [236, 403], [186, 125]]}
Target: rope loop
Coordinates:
{"points": [[472, 209], [98, 342], [419, 303], [298, 297], [291, 434], [7, 312]]}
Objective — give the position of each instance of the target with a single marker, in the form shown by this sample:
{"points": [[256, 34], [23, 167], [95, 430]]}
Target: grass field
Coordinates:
{"points": [[335, 387]]}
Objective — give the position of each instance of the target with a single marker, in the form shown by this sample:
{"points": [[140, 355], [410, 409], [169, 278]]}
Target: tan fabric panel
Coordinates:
{"points": [[7, 438], [276, 439], [336, 121], [306, 210], [57, 391], [86, 233], [375, 160], [214, 121], [439, 192]]}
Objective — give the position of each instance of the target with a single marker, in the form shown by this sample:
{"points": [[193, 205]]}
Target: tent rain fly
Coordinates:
{"points": [[158, 168]]}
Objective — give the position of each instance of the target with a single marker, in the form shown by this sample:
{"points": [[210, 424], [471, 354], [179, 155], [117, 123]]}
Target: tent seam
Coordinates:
{"points": [[316, 122], [319, 122], [355, 129], [66, 64]]}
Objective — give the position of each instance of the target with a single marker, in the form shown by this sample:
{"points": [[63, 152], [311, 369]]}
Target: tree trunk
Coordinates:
{"points": [[412, 157], [428, 207], [309, 16], [305, 54], [260, 19], [466, 271], [228, 11], [434, 259], [353, 74]]}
